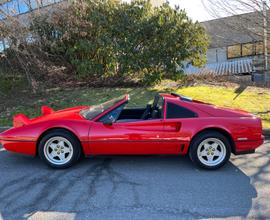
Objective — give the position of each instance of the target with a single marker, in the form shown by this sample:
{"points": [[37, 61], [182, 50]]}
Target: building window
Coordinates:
{"points": [[34, 4], [47, 2], [15, 7], [12, 8], [23, 6], [259, 48], [234, 51], [247, 49]]}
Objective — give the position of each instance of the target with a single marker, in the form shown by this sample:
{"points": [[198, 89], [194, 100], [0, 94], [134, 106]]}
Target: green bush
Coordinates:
{"points": [[8, 84], [106, 38]]}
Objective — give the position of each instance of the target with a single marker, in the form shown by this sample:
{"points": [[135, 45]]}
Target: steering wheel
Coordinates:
{"points": [[147, 111]]}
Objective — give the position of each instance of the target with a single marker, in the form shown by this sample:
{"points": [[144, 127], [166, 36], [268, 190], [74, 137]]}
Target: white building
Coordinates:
{"points": [[236, 45]]}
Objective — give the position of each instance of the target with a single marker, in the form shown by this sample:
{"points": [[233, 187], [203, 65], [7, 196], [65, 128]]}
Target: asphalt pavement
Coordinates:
{"points": [[135, 187]]}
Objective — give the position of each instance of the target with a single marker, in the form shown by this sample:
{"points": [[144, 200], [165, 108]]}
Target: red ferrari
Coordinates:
{"points": [[172, 125]]}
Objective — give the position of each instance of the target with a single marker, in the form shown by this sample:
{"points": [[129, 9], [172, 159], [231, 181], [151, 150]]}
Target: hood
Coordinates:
{"points": [[49, 114]]}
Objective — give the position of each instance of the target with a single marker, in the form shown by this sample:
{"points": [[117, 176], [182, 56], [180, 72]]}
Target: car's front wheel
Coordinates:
{"points": [[210, 150], [59, 149]]}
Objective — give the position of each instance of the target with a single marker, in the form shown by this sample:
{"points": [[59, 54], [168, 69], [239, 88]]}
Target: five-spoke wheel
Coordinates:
{"points": [[59, 149], [210, 150]]}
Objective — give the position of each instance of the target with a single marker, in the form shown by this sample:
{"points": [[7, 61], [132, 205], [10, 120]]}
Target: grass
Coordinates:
{"points": [[58, 99], [252, 99]]}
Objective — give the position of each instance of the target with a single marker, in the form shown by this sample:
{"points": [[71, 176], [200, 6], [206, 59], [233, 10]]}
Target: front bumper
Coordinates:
{"points": [[23, 147]]}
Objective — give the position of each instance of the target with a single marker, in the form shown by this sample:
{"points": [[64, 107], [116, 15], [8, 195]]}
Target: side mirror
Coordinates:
{"points": [[108, 122]]}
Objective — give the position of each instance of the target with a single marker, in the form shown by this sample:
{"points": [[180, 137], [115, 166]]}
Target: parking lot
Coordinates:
{"points": [[142, 187]]}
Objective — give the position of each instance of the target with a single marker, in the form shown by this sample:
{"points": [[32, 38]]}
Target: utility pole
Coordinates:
{"points": [[265, 42]]}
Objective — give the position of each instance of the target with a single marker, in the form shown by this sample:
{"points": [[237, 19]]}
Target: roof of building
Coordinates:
{"points": [[239, 66], [234, 29]]}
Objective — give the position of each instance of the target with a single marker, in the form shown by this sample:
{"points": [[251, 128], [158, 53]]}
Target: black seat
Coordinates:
{"points": [[155, 114], [147, 112]]}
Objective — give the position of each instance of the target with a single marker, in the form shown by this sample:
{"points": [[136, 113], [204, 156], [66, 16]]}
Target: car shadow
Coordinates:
{"points": [[157, 186]]}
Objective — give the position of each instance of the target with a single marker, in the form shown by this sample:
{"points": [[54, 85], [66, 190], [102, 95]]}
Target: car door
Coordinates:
{"points": [[131, 137], [137, 137]]}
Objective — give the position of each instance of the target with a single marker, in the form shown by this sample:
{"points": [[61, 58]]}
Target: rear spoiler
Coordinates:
{"points": [[45, 110], [20, 120]]}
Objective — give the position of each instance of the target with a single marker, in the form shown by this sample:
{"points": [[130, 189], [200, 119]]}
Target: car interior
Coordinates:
{"points": [[122, 114]]}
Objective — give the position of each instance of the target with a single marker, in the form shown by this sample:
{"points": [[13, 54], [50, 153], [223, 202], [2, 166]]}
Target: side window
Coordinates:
{"points": [[112, 115], [177, 111]]}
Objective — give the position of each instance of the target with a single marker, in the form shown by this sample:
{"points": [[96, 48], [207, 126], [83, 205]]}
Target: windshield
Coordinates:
{"points": [[93, 111]]}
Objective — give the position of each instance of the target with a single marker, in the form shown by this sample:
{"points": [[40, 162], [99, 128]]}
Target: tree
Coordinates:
{"points": [[112, 39], [109, 38]]}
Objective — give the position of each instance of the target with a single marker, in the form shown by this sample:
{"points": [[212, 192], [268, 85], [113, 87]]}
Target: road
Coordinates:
{"points": [[142, 187]]}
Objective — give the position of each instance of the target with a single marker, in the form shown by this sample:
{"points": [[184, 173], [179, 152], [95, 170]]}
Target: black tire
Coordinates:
{"points": [[207, 135], [76, 146]]}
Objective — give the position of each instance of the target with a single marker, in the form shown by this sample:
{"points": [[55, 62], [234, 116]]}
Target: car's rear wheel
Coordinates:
{"points": [[59, 149], [210, 150]]}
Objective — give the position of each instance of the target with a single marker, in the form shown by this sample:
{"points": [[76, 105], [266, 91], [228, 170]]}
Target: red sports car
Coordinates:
{"points": [[173, 125]]}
